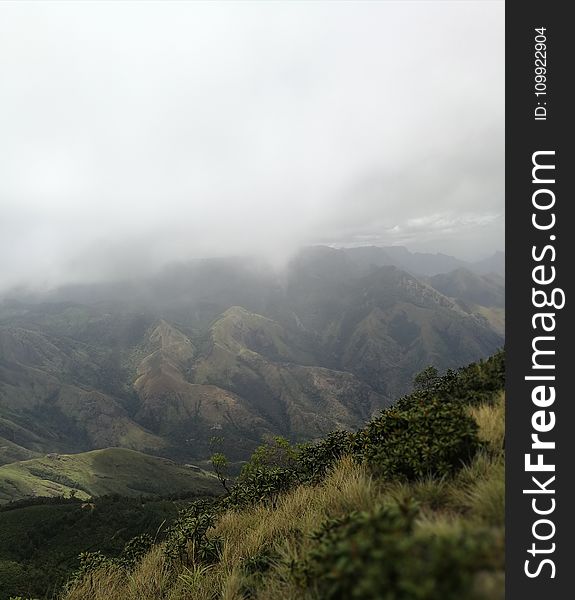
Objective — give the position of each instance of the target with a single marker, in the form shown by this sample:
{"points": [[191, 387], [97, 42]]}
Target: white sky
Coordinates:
{"points": [[136, 133]]}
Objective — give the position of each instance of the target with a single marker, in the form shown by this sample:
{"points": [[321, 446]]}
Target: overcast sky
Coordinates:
{"points": [[136, 133]]}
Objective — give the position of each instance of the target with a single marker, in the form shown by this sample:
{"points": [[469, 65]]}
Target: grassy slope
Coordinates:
{"points": [[495, 317], [473, 498], [101, 472]]}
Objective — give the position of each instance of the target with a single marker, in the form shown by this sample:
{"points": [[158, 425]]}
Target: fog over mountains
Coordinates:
{"points": [[163, 163], [139, 134], [236, 349]]}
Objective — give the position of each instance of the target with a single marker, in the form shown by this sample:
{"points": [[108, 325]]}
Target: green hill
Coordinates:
{"points": [[101, 472]]}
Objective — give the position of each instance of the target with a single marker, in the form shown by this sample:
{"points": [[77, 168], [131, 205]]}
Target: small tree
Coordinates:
{"points": [[276, 453], [220, 466]]}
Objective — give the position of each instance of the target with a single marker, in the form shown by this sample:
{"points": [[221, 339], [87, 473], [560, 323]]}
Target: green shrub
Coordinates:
{"points": [[430, 438], [260, 485], [135, 550], [315, 459], [276, 467], [378, 556], [271, 470], [260, 563], [220, 466], [11, 576], [428, 378], [90, 562], [275, 454], [187, 541], [477, 383]]}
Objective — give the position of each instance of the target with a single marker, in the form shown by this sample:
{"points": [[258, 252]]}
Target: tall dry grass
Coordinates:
{"points": [[284, 529]]}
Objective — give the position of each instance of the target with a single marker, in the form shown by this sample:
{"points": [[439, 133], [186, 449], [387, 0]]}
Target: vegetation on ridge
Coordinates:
{"points": [[397, 511]]}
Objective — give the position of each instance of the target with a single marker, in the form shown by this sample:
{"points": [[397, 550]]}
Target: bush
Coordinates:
{"points": [[477, 383], [431, 438], [187, 541], [378, 556], [135, 550], [220, 467], [277, 466], [260, 485], [315, 459], [275, 453], [90, 562]]}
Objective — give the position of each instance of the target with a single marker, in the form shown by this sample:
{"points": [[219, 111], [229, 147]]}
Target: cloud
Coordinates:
{"points": [[138, 133]]}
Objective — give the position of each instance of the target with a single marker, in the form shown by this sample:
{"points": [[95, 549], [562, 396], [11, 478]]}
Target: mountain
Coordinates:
{"points": [[418, 263], [52, 397], [483, 295], [41, 538], [421, 263], [492, 264], [246, 381], [462, 284], [387, 325], [412, 506], [222, 354]]}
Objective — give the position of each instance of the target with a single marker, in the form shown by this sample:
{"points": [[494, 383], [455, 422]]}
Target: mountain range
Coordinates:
{"points": [[219, 354]]}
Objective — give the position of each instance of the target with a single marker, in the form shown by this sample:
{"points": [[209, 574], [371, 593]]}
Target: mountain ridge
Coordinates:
{"points": [[233, 352]]}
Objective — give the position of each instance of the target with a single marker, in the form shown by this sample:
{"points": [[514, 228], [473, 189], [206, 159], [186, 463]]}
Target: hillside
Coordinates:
{"points": [[100, 473], [53, 397], [422, 263], [483, 295], [464, 285], [387, 325], [411, 506]]}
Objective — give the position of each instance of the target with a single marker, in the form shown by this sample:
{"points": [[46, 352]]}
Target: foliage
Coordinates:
{"points": [[451, 549], [41, 539], [427, 378], [477, 383], [261, 562], [260, 485], [430, 432], [315, 459], [277, 453], [428, 438], [135, 550], [277, 466], [378, 555], [92, 562], [220, 466], [187, 540]]}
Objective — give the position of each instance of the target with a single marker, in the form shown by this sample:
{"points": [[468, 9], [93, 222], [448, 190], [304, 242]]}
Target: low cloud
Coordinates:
{"points": [[139, 133]]}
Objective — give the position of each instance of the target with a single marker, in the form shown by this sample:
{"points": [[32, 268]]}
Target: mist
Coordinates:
{"points": [[135, 134]]}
